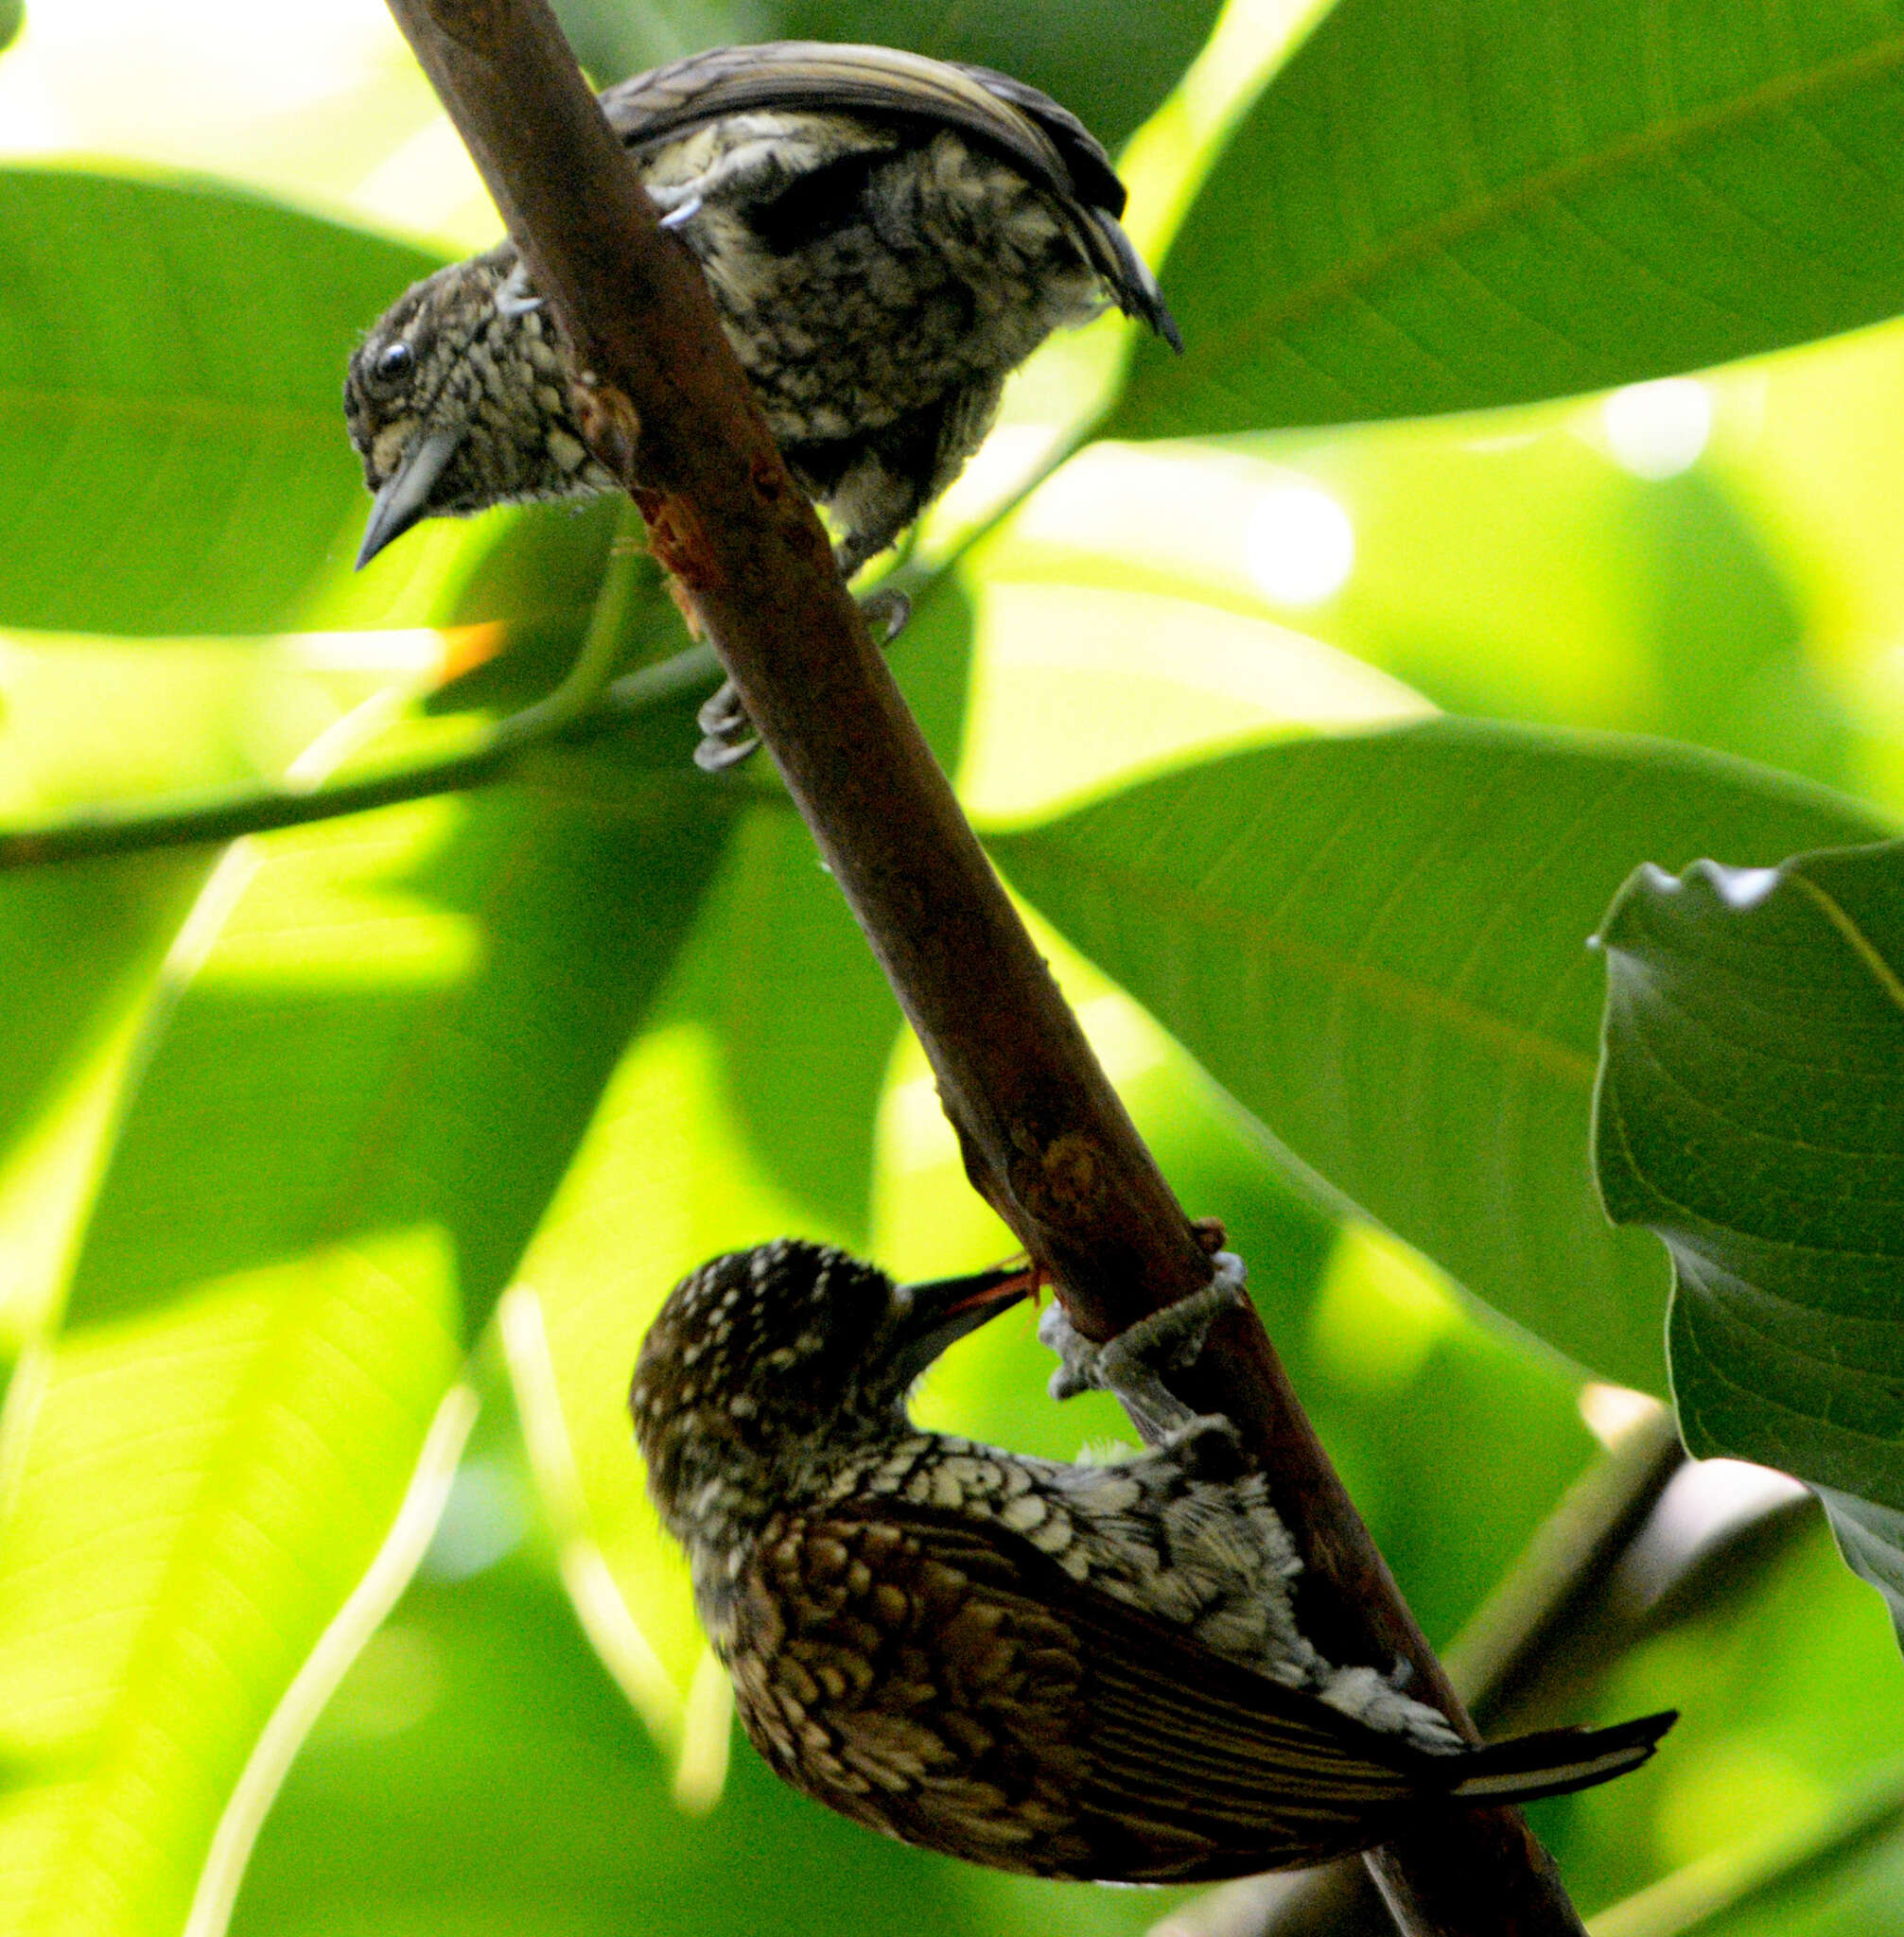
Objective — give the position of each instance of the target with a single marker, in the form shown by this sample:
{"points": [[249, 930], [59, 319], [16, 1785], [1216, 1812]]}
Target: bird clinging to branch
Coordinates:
{"points": [[886, 237], [1085, 1671]]}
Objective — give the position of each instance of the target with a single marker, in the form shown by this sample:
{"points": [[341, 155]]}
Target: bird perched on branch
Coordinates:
{"points": [[886, 237], [1083, 1671]]}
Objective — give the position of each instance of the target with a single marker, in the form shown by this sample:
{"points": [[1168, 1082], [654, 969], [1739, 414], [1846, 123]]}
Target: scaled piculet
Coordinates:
{"points": [[1084, 1672], [886, 237]]}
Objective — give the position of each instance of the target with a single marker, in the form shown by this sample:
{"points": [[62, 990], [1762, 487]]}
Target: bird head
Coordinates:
{"points": [[458, 399], [761, 1357]]}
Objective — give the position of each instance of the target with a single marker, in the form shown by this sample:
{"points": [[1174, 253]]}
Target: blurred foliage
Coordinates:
{"points": [[1061, 49], [298, 1137]]}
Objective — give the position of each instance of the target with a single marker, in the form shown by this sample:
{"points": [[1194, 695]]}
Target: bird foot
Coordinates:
{"points": [[885, 612], [1132, 1366], [517, 296], [727, 736]]}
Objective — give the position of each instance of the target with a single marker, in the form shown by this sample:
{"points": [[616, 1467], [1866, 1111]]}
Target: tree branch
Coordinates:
{"points": [[1045, 1138], [508, 752]]}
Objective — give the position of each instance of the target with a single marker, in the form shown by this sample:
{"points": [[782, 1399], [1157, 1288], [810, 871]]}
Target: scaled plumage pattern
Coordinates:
{"points": [[886, 237], [1083, 1671]]}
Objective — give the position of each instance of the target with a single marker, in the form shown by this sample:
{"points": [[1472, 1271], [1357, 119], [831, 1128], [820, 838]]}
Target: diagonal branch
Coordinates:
{"points": [[1045, 1138]]}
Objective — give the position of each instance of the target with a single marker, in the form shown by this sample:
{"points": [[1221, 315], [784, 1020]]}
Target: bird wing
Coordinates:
{"points": [[1030, 130], [1027, 129], [941, 1679]]}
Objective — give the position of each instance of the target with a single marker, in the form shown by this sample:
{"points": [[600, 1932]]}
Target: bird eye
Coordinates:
{"points": [[395, 362]]}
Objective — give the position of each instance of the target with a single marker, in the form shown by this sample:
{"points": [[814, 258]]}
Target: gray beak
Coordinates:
{"points": [[941, 1314], [404, 497]]}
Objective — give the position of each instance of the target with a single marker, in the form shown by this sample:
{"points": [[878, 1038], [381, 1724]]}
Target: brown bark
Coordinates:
{"points": [[1045, 1138]]}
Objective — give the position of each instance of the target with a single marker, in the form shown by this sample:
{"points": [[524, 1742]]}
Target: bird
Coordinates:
{"points": [[886, 237], [1091, 1671]]}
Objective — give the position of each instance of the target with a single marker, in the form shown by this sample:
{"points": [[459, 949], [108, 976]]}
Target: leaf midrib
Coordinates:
{"points": [[1180, 910], [1241, 341]]}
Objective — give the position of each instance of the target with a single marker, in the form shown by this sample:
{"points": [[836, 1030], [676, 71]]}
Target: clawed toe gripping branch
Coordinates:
{"points": [[1044, 1137], [1132, 1366]]}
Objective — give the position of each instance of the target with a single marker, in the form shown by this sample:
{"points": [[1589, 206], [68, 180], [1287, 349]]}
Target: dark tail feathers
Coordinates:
{"points": [[1557, 1760]]}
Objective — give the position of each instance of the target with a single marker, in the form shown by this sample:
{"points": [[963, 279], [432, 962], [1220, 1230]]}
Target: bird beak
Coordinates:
{"points": [[404, 497], [944, 1312]]}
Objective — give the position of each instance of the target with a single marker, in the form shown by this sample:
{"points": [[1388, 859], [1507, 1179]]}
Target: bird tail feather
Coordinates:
{"points": [[1558, 1761]]}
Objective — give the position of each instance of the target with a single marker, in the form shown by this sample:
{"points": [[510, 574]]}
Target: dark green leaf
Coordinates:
{"points": [[172, 450], [12, 18], [1109, 64], [1377, 945], [1751, 1111], [1449, 204], [407, 1020]]}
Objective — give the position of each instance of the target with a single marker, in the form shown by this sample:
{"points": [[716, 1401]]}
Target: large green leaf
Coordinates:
{"points": [[1377, 945], [1751, 1111], [201, 1490], [1448, 204], [347, 1129], [1108, 62], [172, 450], [407, 1016]]}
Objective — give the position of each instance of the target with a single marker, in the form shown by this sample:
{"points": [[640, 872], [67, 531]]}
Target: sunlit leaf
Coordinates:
{"points": [[398, 1038], [406, 1016], [1377, 945], [172, 450], [1449, 204], [1751, 1113], [202, 1489], [59, 998]]}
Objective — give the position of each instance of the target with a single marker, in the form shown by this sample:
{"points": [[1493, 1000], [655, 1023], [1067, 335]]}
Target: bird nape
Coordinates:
{"points": [[887, 238], [1089, 1671]]}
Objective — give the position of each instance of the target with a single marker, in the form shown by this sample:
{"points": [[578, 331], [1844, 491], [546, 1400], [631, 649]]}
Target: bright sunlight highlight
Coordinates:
{"points": [[1299, 545], [1658, 429]]}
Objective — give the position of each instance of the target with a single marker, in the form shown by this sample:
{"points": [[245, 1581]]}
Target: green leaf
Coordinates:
{"points": [[1106, 62], [407, 1016], [200, 1492], [172, 451], [59, 999], [1450, 205], [12, 18], [1377, 946], [1751, 1111], [347, 1127]]}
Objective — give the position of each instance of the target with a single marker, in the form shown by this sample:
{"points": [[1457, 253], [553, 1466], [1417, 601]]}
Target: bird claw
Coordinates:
{"points": [[885, 612], [1131, 1367], [515, 296], [727, 735]]}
